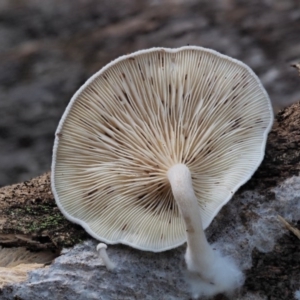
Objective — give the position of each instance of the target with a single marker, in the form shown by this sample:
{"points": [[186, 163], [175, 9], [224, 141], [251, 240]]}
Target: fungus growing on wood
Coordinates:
{"points": [[153, 145], [101, 248]]}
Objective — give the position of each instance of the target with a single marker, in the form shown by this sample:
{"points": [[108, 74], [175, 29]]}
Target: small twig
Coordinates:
{"points": [[294, 230]]}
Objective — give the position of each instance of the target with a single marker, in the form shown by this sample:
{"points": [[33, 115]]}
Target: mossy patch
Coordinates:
{"points": [[30, 216]]}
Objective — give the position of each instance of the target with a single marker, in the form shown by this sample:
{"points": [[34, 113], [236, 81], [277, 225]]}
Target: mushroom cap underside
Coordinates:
{"points": [[139, 116]]}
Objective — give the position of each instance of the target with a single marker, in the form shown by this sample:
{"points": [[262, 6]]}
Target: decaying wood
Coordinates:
{"points": [[15, 263], [17, 273], [282, 157], [29, 217]]}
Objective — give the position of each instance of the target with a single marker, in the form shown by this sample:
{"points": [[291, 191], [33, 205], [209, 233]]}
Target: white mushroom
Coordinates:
{"points": [[154, 144], [101, 248], [209, 273]]}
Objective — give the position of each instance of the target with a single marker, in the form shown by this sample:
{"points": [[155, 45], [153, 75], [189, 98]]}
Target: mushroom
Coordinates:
{"points": [[101, 248], [209, 273], [153, 145]]}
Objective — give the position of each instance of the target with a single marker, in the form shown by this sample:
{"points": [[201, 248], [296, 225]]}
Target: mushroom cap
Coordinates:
{"points": [[136, 118], [101, 246]]}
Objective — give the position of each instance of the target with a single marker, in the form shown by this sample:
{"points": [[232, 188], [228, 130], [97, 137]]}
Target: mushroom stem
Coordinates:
{"points": [[101, 248], [209, 273], [199, 254]]}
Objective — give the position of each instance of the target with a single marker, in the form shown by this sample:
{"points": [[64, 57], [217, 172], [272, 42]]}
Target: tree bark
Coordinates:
{"points": [[29, 217]]}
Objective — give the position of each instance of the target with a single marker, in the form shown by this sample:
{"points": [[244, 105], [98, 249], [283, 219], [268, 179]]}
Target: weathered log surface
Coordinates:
{"points": [[29, 217], [282, 158]]}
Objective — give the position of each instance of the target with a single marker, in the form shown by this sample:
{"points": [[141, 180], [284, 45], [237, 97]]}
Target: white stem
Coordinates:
{"points": [[101, 248], [199, 254]]}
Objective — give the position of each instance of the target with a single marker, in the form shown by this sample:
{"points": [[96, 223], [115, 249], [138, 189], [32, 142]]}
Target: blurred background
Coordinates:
{"points": [[48, 48]]}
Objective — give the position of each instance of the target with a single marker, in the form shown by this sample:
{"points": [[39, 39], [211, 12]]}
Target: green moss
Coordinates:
{"points": [[44, 220], [50, 222]]}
